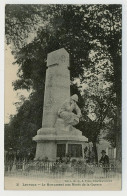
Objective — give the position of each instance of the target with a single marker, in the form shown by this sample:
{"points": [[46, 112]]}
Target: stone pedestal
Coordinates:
{"points": [[48, 139], [57, 90]]}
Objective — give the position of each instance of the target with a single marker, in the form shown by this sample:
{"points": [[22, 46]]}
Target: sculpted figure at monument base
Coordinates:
{"points": [[70, 112]]}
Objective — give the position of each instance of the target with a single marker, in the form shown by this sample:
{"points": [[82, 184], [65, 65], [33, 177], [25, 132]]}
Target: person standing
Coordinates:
{"points": [[104, 161]]}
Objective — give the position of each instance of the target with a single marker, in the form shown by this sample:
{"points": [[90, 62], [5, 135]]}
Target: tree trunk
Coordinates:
{"points": [[95, 151], [117, 88], [119, 141], [117, 75]]}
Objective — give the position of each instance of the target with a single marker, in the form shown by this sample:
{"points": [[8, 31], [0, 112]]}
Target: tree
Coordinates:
{"points": [[99, 98], [107, 21], [21, 21], [81, 30]]}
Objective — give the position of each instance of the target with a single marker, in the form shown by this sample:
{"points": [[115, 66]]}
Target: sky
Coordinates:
{"points": [[10, 96]]}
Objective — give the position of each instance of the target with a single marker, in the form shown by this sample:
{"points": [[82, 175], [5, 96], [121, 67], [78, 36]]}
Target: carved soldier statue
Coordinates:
{"points": [[69, 111]]}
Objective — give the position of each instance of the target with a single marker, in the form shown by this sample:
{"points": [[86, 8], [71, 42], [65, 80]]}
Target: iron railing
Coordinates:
{"points": [[48, 169]]}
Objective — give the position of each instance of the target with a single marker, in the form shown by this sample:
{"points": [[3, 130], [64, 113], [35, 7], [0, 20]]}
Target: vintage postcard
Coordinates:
{"points": [[63, 73]]}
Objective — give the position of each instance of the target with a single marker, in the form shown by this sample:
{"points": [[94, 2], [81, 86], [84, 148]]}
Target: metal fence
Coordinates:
{"points": [[41, 169]]}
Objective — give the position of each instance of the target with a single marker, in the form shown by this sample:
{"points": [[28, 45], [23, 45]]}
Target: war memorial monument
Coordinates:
{"points": [[58, 136]]}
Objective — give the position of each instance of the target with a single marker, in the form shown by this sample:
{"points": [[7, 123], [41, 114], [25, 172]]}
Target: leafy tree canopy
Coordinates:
{"points": [[92, 36]]}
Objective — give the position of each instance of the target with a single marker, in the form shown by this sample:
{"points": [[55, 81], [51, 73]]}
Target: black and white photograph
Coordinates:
{"points": [[63, 97]]}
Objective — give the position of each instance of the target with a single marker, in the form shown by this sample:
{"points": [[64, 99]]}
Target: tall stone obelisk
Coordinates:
{"points": [[52, 136], [57, 85], [57, 90]]}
